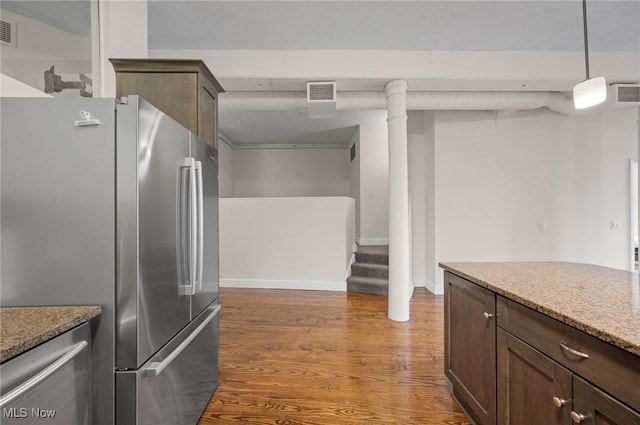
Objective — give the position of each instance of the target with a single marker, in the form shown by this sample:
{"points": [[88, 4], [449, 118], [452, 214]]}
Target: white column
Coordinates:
{"points": [[399, 253]]}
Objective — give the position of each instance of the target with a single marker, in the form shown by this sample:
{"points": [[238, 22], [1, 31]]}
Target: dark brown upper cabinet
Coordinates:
{"points": [[184, 89]]}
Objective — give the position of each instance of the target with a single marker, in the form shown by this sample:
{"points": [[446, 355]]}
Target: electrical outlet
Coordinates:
{"points": [[616, 226], [542, 226]]}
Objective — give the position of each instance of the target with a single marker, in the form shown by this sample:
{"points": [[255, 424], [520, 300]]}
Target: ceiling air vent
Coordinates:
{"points": [[8, 33], [625, 94], [321, 99]]}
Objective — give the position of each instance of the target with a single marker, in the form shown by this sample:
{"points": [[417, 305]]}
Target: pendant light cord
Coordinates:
{"points": [[586, 42]]}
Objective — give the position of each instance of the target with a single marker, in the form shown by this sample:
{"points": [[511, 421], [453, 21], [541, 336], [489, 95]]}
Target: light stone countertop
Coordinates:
{"points": [[600, 301], [22, 328]]}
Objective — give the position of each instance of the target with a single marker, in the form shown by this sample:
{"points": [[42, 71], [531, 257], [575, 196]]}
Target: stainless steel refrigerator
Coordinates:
{"points": [[111, 202]]}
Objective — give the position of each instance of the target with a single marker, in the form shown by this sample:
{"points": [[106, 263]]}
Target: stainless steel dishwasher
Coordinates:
{"points": [[49, 384]]}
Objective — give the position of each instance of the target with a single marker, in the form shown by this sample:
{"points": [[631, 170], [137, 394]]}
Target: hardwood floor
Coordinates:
{"points": [[315, 357]]}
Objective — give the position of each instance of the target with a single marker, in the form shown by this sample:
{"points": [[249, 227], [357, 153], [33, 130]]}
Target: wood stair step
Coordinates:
{"points": [[380, 271], [368, 285]]}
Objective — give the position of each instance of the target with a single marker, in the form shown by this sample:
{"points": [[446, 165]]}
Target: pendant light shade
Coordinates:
{"points": [[591, 91]]}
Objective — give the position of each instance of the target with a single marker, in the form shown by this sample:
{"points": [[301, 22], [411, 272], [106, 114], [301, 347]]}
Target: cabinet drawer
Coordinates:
{"points": [[614, 370], [49, 384]]}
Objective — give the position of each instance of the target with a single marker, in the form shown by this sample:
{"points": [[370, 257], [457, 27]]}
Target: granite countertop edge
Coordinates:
{"points": [[46, 323], [558, 315]]}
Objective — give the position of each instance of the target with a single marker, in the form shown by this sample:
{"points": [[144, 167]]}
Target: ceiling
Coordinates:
{"points": [[293, 128], [392, 25], [264, 45], [283, 44], [72, 16]]}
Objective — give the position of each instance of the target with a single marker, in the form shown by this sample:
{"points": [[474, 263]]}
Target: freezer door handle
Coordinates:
{"points": [[156, 368], [29, 384], [200, 224]]}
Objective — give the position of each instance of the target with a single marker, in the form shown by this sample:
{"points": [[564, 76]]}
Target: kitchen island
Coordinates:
{"points": [[22, 328], [45, 365], [543, 342]]}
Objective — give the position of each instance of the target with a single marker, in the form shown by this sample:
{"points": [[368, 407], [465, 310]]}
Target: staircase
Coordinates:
{"points": [[370, 272]]}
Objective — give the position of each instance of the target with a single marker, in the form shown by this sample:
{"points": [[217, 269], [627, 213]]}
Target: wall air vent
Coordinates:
{"points": [[321, 99], [8, 33], [321, 91], [625, 94]]}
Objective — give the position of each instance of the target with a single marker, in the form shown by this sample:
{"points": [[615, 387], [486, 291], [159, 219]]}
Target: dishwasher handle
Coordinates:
{"points": [[28, 385], [156, 368]]}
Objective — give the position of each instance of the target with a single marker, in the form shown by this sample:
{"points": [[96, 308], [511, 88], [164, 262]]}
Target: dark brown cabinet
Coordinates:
{"points": [[594, 407], [532, 388], [511, 365], [183, 89], [470, 344]]}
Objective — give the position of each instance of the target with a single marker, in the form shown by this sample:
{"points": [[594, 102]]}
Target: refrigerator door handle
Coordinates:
{"points": [[186, 226], [156, 368], [193, 226], [200, 225], [26, 386]]}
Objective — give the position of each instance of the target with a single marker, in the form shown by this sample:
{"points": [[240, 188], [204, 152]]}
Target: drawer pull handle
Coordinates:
{"points": [[570, 350], [156, 368], [487, 315], [559, 402], [32, 382], [577, 417]]}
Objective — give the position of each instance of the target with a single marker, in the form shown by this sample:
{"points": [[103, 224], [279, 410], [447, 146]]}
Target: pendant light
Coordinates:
{"points": [[591, 91]]}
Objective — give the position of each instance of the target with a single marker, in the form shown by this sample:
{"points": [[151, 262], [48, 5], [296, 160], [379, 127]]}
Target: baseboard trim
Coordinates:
{"points": [[372, 241], [351, 261], [433, 288], [285, 284], [419, 283]]}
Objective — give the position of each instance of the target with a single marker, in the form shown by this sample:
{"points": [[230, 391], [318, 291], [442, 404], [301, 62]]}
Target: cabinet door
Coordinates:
{"points": [[207, 113], [532, 388], [470, 346], [593, 407], [174, 93]]}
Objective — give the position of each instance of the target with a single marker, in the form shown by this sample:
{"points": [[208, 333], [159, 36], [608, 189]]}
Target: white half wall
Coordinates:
{"points": [[286, 243], [290, 172], [38, 47], [10, 87], [531, 186]]}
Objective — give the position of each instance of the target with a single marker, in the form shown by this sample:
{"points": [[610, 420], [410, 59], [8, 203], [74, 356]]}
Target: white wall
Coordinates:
{"points": [[123, 34], [532, 186], [290, 172], [354, 177], [421, 171], [435, 70], [225, 169], [430, 202], [38, 47], [374, 185], [289, 243]]}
